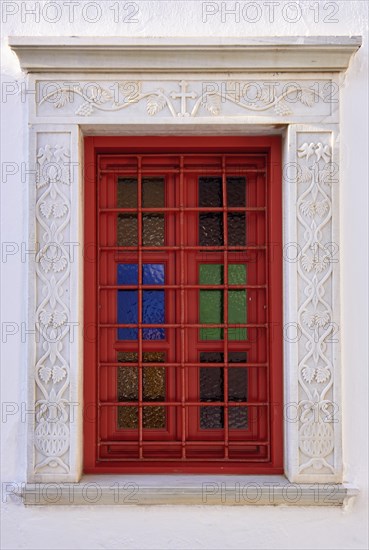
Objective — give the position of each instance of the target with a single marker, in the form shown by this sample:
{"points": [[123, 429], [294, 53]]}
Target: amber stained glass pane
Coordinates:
{"points": [[153, 230], [127, 230], [153, 192], [154, 389], [127, 193]]}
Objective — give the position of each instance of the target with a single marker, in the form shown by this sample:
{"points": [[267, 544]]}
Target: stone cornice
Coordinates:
{"points": [[167, 55]]}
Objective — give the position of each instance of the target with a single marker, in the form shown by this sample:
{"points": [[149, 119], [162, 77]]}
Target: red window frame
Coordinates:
{"points": [[95, 149]]}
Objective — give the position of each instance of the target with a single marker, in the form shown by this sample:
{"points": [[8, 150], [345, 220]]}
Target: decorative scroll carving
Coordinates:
{"points": [[211, 98], [53, 312], [316, 173]]}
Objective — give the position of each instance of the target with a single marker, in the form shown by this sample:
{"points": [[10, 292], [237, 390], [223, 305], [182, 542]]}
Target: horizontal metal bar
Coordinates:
{"points": [[184, 209], [178, 325], [179, 287], [178, 365], [186, 459], [184, 248], [180, 404], [161, 443]]}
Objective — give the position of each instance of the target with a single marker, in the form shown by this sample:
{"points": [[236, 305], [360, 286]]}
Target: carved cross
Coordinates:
{"points": [[183, 96]]}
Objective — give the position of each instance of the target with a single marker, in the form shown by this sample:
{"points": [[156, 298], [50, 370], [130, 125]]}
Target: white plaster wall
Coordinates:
{"points": [[188, 527]]}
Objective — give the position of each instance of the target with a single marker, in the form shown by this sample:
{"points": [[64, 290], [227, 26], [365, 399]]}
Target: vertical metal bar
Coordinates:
{"points": [[182, 281], [225, 306], [139, 358], [267, 261], [98, 258]]}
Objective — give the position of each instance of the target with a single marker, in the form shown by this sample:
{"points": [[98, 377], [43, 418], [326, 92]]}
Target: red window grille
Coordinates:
{"points": [[183, 305]]}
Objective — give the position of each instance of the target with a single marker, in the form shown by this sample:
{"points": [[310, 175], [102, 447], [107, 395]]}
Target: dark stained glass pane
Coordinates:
{"points": [[212, 389], [210, 191], [211, 418], [127, 193], [153, 192], [236, 229], [236, 191], [211, 229], [237, 418], [153, 230], [127, 230]]}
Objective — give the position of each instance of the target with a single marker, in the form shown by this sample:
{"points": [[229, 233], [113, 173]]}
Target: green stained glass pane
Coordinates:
{"points": [[211, 274], [211, 311], [237, 302], [211, 301], [237, 274], [237, 314]]}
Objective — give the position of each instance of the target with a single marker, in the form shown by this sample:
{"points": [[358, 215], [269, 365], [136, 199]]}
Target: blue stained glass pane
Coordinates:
{"points": [[153, 312], [153, 301], [127, 313], [127, 274], [153, 274]]}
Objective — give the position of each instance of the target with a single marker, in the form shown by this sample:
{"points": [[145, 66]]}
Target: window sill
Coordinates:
{"points": [[187, 490]]}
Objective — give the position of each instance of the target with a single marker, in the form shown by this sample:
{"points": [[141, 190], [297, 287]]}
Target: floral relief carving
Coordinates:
{"points": [[124, 94], [53, 312], [315, 267]]}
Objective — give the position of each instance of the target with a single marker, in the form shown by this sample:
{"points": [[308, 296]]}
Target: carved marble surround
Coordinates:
{"points": [[304, 107]]}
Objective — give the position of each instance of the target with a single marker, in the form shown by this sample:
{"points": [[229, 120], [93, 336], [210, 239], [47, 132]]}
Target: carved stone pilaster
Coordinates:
{"points": [[317, 342], [51, 438]]}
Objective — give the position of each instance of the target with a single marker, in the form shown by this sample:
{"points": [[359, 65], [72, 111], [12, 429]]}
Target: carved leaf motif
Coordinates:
{"points": [[59, 318], [309, 319], [45, 318], [45, 373], [281, 108], [46, 208], [307, 98], [58, 374], [321, 208], [100, 96], [322, 264], [155, 104], [322, 318], [322, 375], [59, 209], [212, 104], [307, 263], [85, 109], [59, 264], [62, 98], [308, 373], [45, 263], [326, 174], [304, 175]]}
